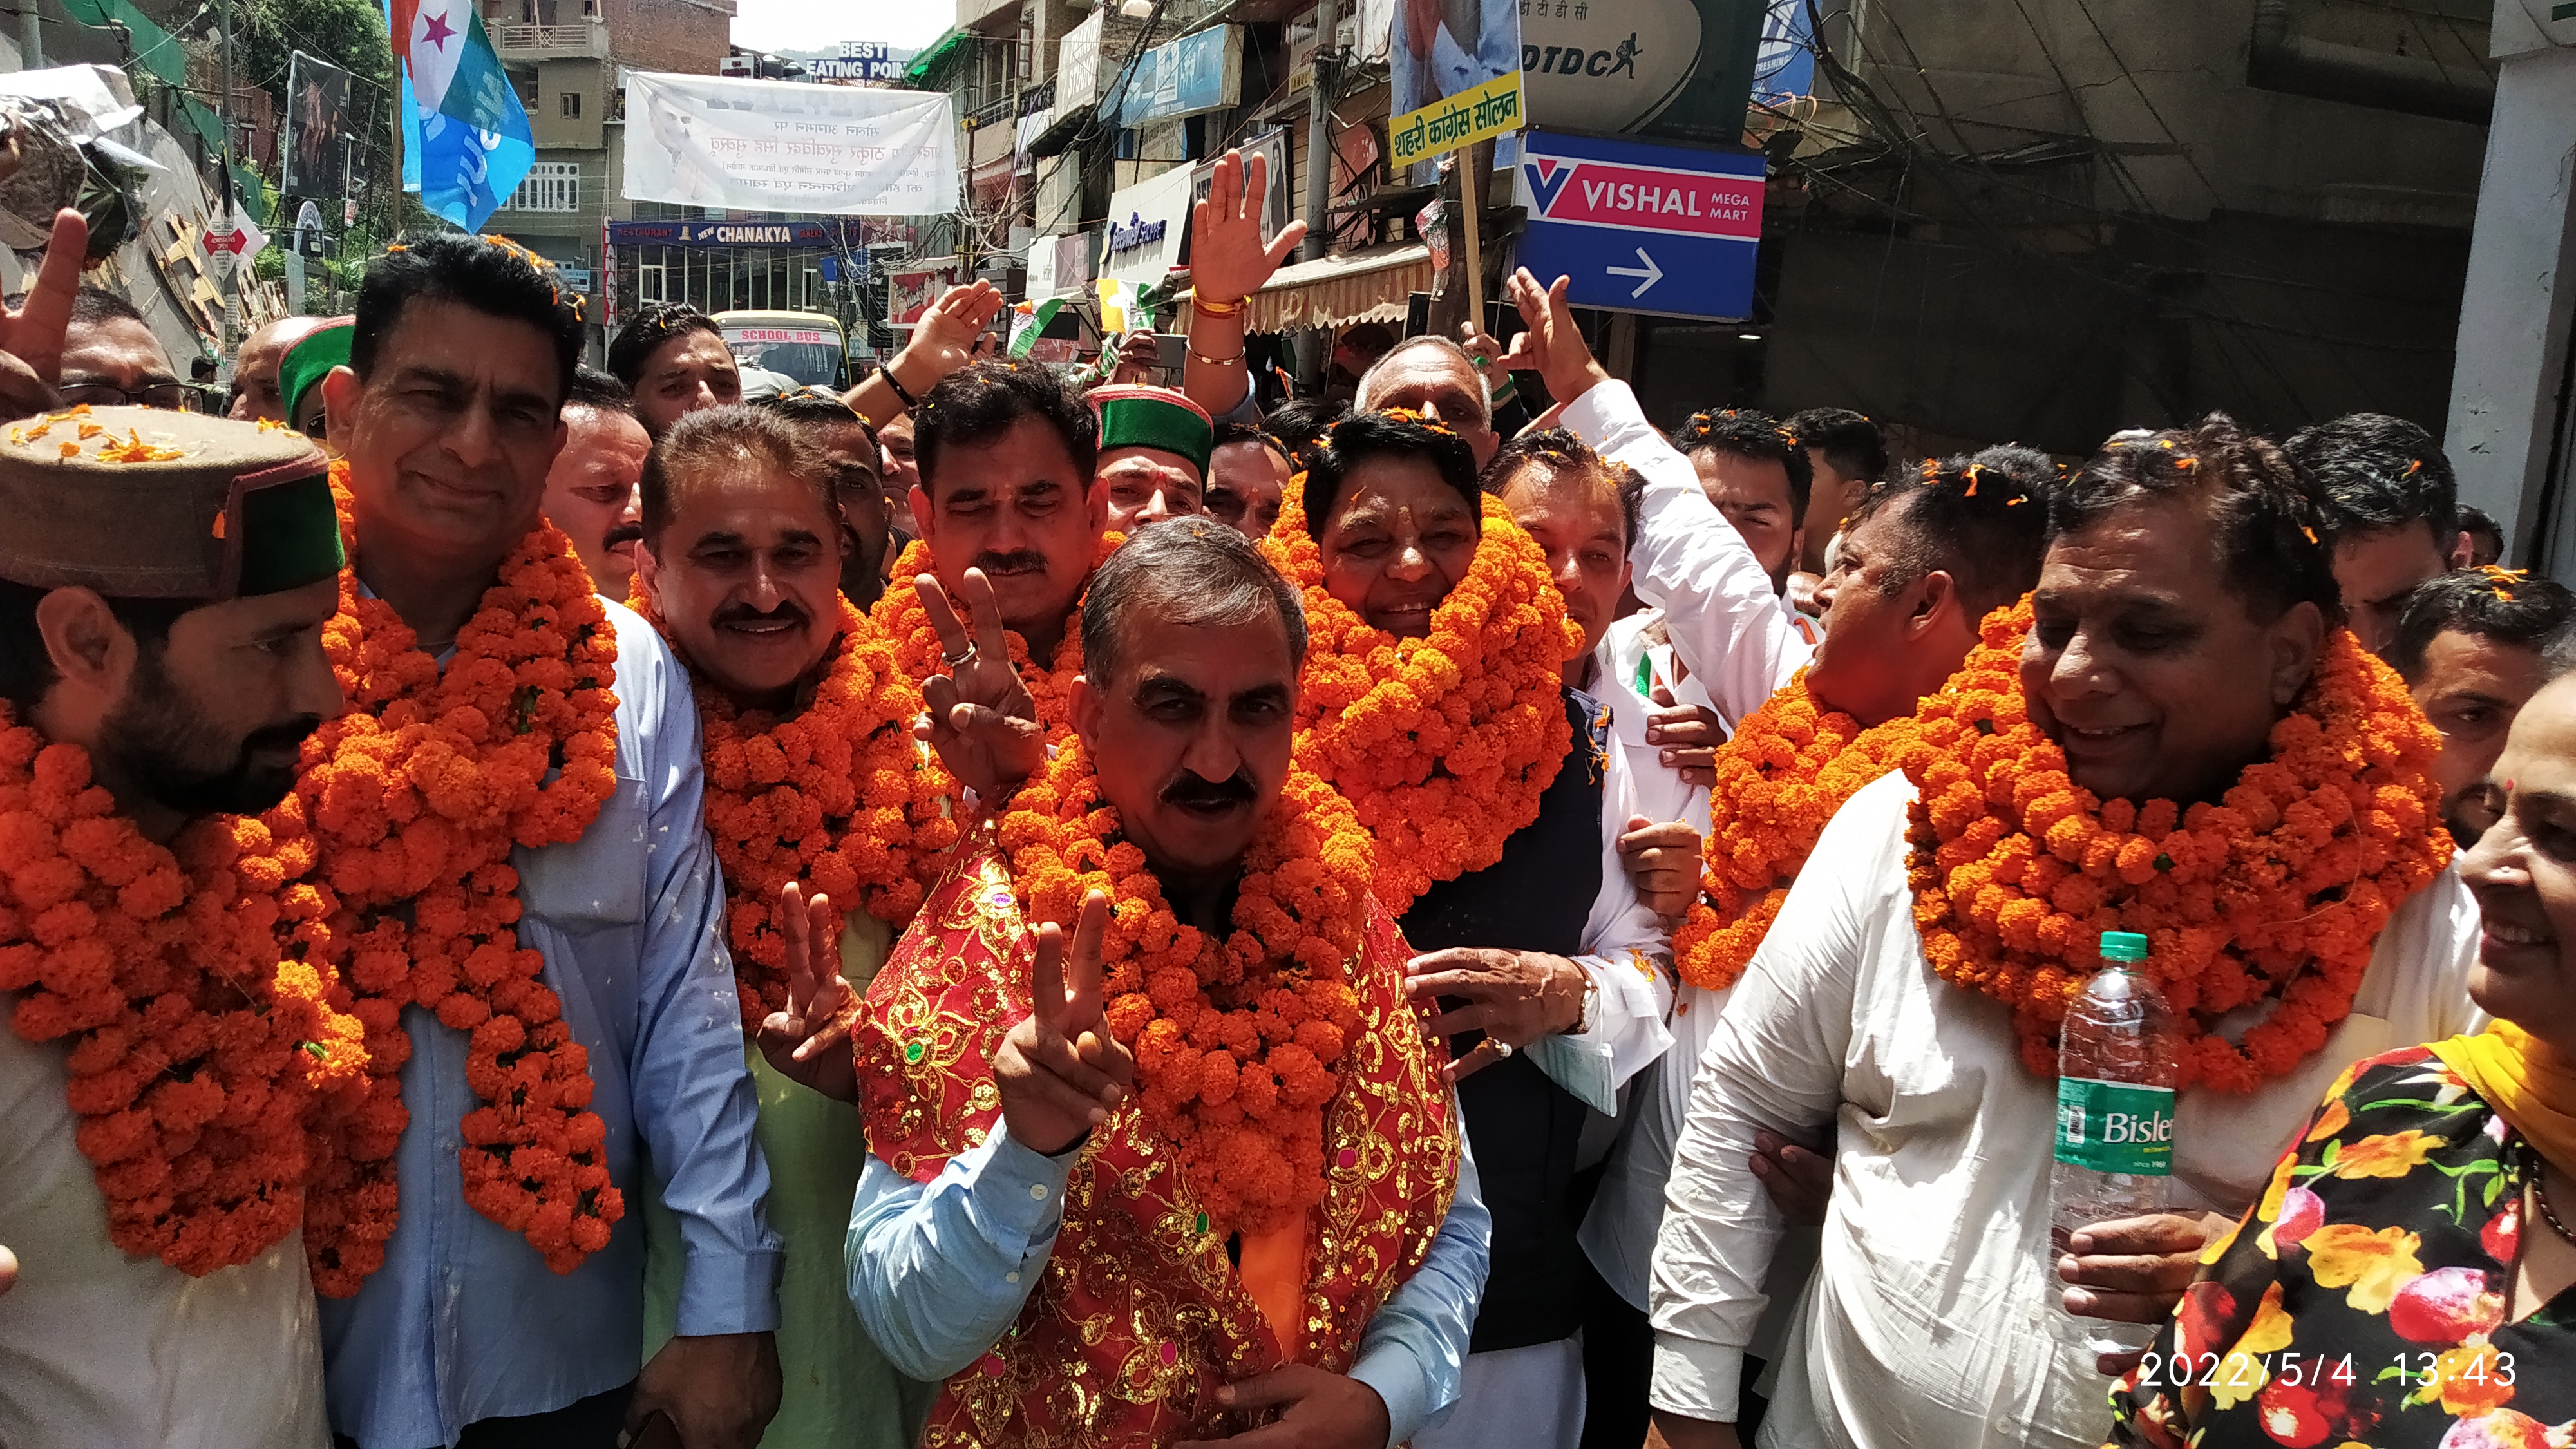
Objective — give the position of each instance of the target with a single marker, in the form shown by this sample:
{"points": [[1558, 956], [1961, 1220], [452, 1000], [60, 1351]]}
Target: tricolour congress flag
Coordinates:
{"points": [[1028, 320], [466, 143]]}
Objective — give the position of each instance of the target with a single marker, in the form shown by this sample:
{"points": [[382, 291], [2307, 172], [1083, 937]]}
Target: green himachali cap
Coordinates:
{"points": [[147, 503], [1154, 417], [312, 358]]}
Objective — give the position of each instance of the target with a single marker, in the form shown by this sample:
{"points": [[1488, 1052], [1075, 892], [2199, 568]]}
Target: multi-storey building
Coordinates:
{"points": [[567, 58]]}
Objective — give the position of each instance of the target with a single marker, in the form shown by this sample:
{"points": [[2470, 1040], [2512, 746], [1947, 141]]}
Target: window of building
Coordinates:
{"points": [[572, 105], [550, 186], [650, 283]]}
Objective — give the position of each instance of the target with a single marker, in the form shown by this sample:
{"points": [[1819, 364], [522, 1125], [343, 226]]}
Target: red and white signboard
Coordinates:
{"points": [[1646, 198]]}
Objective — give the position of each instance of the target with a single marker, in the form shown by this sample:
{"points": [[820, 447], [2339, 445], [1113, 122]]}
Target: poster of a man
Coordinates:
{"points": [[317, 128], [1442, 47]]}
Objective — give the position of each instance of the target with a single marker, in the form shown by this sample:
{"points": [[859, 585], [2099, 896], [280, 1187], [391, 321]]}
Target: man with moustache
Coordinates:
{"points": [[1038, 1225], [744, 528], [469, 1312], [2185, 610], [591, 489], [161, 640], [1007, 513]]}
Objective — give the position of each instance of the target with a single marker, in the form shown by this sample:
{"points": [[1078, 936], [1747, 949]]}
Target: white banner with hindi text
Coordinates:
{"points": [[758, 145]]}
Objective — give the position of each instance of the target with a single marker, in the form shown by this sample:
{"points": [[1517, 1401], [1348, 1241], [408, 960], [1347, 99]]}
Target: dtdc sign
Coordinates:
{"points": [[1640, 226]]}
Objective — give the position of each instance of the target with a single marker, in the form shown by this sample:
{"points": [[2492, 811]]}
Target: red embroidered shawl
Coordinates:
{"points": [[1141, 1316]]}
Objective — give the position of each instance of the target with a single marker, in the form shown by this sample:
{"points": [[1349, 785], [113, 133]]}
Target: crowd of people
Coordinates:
{"points": [[1010, 905]]}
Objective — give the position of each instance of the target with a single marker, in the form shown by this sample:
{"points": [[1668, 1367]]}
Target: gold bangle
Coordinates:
{"points": [[1217, 309], [1214, 361]]}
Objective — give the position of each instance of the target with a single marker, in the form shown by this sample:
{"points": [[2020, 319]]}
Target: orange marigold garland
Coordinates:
{"points": [[1238, 1042], [1443, 744], [837, 796], [2275, 893], [906, 625], [1782, 775], [199, 1062], [416, 798]]}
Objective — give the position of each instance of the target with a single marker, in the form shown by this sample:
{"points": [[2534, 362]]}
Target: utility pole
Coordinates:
{"points": [[232, 273], [1315, 344], [31, 41]]}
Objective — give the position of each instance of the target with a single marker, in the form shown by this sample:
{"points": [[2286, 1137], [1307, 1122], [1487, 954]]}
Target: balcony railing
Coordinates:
{"points": [[539, 42]]}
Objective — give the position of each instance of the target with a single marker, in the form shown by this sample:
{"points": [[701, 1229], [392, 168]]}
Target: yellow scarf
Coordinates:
{"points": [[2524, 1079]]}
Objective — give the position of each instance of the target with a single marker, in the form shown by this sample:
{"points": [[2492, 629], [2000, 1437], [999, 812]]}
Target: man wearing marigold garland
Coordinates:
{"points": [[161, 607], [1007, 514], [2185, 744], [1216, 1191], [813, 785], [164, 582], [525, 905]]}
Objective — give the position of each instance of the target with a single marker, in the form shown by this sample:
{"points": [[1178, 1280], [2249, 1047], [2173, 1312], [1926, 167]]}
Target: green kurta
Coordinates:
{"points": [[838, 1391]]}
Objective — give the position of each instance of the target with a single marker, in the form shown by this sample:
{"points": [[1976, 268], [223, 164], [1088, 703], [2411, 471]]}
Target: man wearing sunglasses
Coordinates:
{"points": [[110, 356]]}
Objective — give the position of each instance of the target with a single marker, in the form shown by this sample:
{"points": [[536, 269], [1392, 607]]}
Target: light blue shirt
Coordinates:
{"points": [[938, 1272], [464, 1321]]}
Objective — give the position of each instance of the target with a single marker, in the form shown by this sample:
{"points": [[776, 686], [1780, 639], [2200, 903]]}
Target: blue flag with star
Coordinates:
{"points": [[466, 142]]}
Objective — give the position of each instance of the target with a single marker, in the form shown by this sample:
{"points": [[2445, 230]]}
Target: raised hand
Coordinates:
{"points": [[982, 721], [1139, 353], [1513, 997], [1487, 355], [31, 338], [1550, 344], [1663, 862], [1060, 1072], [809, 1042], [944, 340], [1229, 258]]}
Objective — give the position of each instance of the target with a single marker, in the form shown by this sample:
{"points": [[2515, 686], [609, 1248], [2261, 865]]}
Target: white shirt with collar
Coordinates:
{"points": [[1924, 1326]]}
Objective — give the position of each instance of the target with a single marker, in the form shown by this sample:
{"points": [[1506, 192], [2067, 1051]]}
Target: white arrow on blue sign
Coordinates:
{"points": [[1642, 226]]}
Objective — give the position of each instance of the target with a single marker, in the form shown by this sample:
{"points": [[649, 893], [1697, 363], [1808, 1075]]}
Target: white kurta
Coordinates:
{"points": [[1923, 1327], [101, 1348], [1740, 643]]}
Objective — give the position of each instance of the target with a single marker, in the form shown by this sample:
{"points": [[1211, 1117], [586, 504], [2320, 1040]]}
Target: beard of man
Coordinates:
{"points": [[157, 739]]}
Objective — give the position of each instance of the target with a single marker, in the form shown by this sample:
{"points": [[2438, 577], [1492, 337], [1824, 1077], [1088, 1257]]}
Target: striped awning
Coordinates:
{"points": [[1371, 285]]}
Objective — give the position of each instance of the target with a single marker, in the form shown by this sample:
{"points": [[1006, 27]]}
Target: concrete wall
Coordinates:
{"points": [[2098, 228], [2508, 421], [586, 81], [688, 36], [2167, 85]]}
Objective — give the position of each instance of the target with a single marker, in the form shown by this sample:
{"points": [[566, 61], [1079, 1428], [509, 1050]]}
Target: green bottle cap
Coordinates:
{"points": [[2123, 946]]}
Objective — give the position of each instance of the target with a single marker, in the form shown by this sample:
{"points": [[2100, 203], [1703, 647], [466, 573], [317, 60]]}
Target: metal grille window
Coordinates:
{"points": [[550, 186]]}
